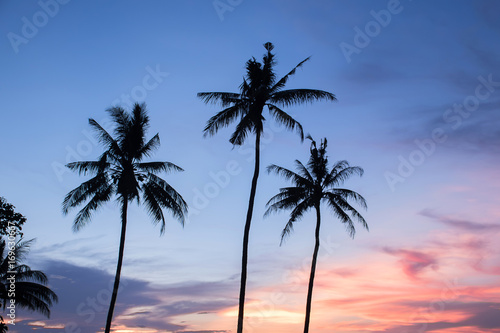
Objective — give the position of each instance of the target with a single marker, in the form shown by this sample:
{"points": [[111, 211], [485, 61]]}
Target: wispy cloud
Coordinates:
{"points": [[461, 224]]}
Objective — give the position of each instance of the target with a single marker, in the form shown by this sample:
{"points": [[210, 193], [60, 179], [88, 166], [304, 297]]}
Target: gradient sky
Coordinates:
{"points": [[418, 88]]}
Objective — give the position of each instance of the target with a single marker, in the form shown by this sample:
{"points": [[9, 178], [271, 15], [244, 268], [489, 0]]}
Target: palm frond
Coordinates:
{"points": [[80, 194], [339, 177], [152, 205], [122, 121], [285, 119], [223, 119], [282, 82], [105, 138], [287, 198], [35, 297], [290, 175], [223, 99], [157, 167], [24, 273], [299, 96], [349, 195], [99, 198], [303, 171], [244, 127], [168, 197], [149, 147], [341, 208], [91, 167], [295, 215]]}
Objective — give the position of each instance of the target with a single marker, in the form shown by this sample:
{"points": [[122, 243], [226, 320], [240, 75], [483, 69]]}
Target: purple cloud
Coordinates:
{"points": [[461, 224]]}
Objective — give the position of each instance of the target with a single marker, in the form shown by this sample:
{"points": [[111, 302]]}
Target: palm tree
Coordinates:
{"points": [[120, 172], [259, 89], [30, 290], [313, 184]]}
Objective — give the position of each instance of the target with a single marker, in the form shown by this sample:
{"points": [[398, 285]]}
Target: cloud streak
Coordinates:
{"points": [[461, 224]]}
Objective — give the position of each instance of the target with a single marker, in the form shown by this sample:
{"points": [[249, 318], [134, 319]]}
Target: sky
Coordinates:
{"points": [[418, 89]]}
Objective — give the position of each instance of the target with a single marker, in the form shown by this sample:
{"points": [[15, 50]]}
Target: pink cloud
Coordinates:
{"points": [[413, 262]]}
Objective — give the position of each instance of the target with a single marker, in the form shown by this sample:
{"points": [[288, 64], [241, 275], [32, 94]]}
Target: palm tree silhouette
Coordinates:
{"points": [[313, 184], [120, 172], [259, 89], [31, 291]]}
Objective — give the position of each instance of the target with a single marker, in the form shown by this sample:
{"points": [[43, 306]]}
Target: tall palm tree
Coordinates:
{"points": [[259, 89], [30, 291], [120, 172], [313, 184]]}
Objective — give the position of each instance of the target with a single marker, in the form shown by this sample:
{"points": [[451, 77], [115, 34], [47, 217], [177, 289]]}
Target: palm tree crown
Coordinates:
{"points": [[314, 183], [258, 90], [120, 171], [31, 291]]}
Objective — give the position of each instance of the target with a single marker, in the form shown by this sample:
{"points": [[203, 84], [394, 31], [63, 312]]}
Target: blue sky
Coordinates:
{"points": [[418, 109]]}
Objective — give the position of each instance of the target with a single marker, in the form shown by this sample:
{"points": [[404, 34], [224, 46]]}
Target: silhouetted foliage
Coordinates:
{"points": [[31, 291], [120, 172], [312, 184], [259, 89], [9, 217]]}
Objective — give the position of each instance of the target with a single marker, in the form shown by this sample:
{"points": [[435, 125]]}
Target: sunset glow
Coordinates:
{"points": [[418, 89]]}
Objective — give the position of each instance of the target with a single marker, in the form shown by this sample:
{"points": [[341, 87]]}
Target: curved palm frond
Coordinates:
{"points": [[149, 147], [300, 96], [91, 167], [87, 189], [340, 208], [222, 98], [150, 199], [287, 198], [282, 82], [99, 198], [290, 175], [303, 171], [105, 138], [31, 290], [168, 197], [244, 127], [340, 176], [295, 215], [35, 297], [285, 119], [223, 119], [346, 195], [157, 167]]}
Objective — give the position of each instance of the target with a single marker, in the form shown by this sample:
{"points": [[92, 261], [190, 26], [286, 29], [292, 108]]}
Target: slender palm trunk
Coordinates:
{"points": [[244, 257], [118, 266], [313, 271]]}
